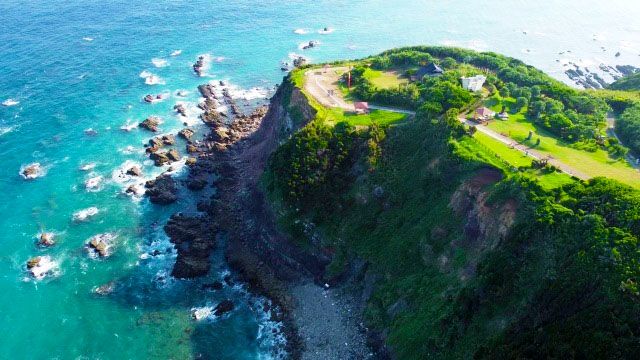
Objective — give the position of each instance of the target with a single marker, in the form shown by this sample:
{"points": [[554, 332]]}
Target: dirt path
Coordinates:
{"points": [[526, 150], [322, 84]]}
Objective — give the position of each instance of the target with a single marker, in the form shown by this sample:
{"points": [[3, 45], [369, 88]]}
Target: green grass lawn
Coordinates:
{"points": [[597, 163], [380, 117], [516, 159], [384, 79]]}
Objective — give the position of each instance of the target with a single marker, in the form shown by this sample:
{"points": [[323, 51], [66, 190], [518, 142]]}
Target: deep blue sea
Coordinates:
{"points": [[76, 72]]}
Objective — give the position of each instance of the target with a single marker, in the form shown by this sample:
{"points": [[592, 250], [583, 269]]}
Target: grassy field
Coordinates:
{"points": [[499, 154], [597, 163], [384, 79], [334, 116]]}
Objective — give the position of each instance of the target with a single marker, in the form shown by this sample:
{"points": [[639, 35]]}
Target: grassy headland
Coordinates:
{"points": [[473, 250]]}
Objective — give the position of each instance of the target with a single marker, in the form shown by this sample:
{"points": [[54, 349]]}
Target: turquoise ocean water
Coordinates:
{"points": [[76, 65]]}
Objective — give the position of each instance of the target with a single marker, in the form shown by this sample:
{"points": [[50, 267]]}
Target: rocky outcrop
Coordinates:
{"points": [[186, 134], [165, 157], [180, 109], [151, 123], [199, 65], [223, 307], [46, 239], [162, 190], [194, 238], [134, 171], [485, 224]]}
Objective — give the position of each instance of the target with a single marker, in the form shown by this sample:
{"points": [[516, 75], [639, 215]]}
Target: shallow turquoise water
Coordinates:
{"points": [[66, 84]]}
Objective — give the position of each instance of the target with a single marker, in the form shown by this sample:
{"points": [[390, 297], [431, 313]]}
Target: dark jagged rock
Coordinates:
{"points": [[198, 67], [151, 123], [194, 238], [134, 171], [191, 149], [162, 190], [224, 307], [186, 134], [165, 157], [180, 109], [216, 285]]}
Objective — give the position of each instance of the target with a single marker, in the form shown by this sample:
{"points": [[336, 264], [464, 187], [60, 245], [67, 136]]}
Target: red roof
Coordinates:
{"points": [[483, 111], [361, 105]]}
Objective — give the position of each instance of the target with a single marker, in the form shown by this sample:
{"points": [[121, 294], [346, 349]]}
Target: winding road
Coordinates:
{"points": [[322, 84]]}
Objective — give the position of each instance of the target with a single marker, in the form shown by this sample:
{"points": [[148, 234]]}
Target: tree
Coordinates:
{"points": [[521, 102]]}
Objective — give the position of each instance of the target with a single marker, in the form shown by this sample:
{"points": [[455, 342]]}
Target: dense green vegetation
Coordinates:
{"points": [[477, 254], [630, 82], [628, 127], [568, 113]]}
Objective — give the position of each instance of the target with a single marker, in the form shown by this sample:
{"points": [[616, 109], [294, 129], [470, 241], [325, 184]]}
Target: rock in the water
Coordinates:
{"points": [[216, 285], [194, 238], [173, 155], [105, 289], [41, 266], [192, 149], [165, 157], [134, 171], [187, 133], [180, 109], [101, 244], [151, 123], [162, 190], [191, 161], [31, 171], [46, 239], [224, 307]]}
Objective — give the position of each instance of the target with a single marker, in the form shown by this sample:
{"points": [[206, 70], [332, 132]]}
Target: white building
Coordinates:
{"points": [[473, 83]]}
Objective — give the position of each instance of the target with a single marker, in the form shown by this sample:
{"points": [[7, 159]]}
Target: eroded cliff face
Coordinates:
{"points": [[484, 224]]}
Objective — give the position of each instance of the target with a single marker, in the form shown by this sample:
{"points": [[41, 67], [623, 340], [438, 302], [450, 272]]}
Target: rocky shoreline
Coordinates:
{"points": [[231, 158]]}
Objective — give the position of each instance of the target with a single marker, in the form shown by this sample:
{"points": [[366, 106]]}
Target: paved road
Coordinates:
{"points": [[525, 149], [322, 84]]}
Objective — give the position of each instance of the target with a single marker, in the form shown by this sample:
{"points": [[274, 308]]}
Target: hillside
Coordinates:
{"points": [[458, 245], [629, 82]]}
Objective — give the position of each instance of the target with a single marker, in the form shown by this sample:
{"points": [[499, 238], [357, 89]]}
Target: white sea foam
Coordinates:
{"points": [[107, 239], [129, 126], [44, 267], [158, 62], [176, 52], [151, 79], [181, 93], [93, 184], [10, 102], [88, 166], [326, 31], [301, 31], [154, 80], [206, 63], [248, 94], [5, 129], [201, 313], [130, 150], [85, 214], [86, 38]]}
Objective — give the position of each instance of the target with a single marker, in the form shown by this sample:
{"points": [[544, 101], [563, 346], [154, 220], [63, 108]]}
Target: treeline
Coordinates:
{"points": [[568, 113], [628, 128]]}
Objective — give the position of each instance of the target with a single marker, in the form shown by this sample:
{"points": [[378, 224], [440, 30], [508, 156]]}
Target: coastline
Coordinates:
{"points": [[318, 322]]}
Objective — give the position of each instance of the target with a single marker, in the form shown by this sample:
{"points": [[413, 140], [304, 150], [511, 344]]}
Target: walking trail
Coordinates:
{"points": [[322, 84]]}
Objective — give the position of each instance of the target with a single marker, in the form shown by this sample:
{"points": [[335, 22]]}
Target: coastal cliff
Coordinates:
{"points": [[408, 240]]}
